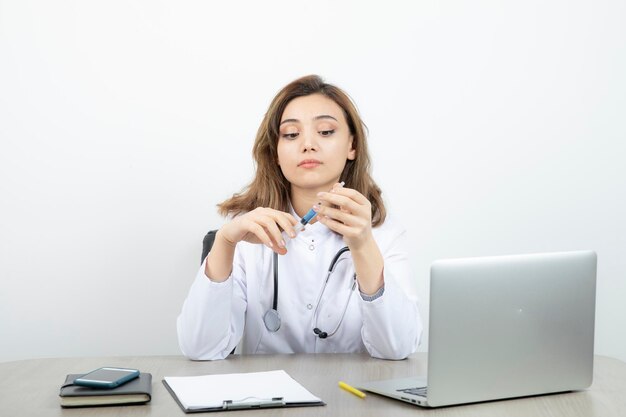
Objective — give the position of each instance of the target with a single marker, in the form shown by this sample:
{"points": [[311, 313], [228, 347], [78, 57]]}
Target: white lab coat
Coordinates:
{"points": [[217, 317]]}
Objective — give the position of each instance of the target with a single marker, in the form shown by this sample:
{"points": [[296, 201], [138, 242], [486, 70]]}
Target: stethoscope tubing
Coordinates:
{"points": [[272, 319]]}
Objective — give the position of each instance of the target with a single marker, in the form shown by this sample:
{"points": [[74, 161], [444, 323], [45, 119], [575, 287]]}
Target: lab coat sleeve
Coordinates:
{"points": [[392, 325], [211, 322]]}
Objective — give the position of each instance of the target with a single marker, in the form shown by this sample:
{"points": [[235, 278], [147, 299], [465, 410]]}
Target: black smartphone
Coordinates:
{"points": [[107, 377]]}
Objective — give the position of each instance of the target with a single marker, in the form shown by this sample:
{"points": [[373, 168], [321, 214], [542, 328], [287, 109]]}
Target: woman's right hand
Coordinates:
{"points": [[261, 225]]}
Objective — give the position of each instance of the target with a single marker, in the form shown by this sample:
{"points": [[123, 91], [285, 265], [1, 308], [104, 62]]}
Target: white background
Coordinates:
{"points": [[495, 128]]}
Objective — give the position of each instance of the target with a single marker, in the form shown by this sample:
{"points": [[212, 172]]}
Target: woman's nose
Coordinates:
{"points": [[309, 142]]}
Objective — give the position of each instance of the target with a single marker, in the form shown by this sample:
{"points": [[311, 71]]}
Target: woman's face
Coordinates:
{"points": [[314, 142]]}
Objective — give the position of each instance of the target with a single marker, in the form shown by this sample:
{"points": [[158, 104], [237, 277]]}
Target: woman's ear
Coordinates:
{"points": [[352, 151]]}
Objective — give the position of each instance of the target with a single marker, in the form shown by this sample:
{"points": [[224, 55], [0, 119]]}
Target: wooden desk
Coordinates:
{"points": [[31, 387]]}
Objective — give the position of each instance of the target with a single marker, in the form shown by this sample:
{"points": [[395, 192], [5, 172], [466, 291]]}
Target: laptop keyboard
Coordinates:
{"points": [[420, 391]]}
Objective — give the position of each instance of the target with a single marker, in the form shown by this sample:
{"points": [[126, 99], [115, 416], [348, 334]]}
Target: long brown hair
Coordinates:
{"points": [[270, 188]]}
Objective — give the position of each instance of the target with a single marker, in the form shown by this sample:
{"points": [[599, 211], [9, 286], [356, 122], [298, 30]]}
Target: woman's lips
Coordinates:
{"points": [[309, 163]]}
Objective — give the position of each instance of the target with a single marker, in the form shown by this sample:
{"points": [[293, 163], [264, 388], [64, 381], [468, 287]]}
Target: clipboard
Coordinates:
{"points": [[242, 391]]}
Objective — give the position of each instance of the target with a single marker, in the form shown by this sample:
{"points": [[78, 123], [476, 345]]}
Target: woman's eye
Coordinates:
{"points": [[290, 135], [327, 132]]}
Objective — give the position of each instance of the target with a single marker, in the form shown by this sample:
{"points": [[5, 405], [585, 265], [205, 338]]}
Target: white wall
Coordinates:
{"points": [[495, 128]]}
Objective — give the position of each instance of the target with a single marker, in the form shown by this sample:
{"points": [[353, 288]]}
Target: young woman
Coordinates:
{"points": [[265, 286]]}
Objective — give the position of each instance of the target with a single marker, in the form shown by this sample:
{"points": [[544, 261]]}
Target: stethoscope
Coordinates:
{"points": [[272, 319]]}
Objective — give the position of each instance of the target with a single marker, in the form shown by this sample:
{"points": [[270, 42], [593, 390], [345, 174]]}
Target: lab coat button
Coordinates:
{"points": [[311, 247], [309, 306]]}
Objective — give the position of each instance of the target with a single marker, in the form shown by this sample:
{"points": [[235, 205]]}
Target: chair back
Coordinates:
{"points": [[207, 244]]}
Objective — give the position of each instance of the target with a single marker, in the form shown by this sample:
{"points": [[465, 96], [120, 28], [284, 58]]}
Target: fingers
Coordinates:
{"points": [[359, 198], [266, 225], [342, 215], [287, 222], [347, 212], [343, 202], [348, 200], [269, 224], [260, 233], [338, 227]]}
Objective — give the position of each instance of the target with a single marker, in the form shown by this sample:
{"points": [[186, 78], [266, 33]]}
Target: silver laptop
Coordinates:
{"points": [[504, 327]]}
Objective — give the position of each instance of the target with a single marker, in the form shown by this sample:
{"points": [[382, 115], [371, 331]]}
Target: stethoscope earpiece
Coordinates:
{"points": [[320, 334]]}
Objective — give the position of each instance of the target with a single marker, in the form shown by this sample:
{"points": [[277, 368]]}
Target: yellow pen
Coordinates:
{"points": [[352, 390]]}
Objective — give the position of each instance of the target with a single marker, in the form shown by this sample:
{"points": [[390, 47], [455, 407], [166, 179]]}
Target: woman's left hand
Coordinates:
{"points": [[352, 218]]}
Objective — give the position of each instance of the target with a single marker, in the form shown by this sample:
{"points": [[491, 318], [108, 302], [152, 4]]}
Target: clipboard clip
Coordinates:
{"points": [[258, 403]]}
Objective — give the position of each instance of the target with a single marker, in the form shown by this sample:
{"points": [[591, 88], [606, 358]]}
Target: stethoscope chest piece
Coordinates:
{"points": [[272, 321]]}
